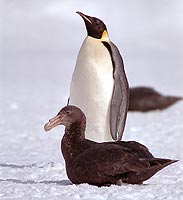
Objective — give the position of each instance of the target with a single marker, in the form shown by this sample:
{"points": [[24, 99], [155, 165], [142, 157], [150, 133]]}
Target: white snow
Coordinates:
{"points": [[39, 42]]}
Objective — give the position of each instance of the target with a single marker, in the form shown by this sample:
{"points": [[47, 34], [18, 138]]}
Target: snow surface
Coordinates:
{"points": [[39, 42]]}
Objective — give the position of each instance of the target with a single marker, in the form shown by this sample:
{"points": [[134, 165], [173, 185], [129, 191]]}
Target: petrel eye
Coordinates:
{"points": [[68, 112]]}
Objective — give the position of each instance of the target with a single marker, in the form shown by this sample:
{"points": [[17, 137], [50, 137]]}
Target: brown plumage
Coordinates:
{"points": [[102, 163], [146, 99]]}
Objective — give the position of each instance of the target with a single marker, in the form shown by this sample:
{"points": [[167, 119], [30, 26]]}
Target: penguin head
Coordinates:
{"points": [[94, 26]]}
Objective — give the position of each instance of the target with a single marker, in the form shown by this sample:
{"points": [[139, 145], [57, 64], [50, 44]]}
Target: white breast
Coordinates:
{"points": [[92, 87]]}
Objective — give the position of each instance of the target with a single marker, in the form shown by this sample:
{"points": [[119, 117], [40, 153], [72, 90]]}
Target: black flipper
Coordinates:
{"points": [[120, 96]]}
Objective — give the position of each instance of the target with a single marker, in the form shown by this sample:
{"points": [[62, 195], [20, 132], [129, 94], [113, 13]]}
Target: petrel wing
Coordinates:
{"points": [[120, 96]]}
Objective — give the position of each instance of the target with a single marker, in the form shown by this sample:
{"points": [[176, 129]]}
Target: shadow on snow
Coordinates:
{"points": [[62, 182]]}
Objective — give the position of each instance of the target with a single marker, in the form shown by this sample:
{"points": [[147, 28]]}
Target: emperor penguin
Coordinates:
{"points": [[99, 85]]}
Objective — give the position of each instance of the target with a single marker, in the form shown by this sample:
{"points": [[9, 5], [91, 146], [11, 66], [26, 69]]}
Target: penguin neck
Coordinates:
{"points": [[104, 38]]}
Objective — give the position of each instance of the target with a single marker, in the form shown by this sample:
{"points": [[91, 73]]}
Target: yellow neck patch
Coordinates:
{"points": [[105, 35]]}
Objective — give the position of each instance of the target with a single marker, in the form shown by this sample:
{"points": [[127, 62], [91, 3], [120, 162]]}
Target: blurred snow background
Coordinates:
{"points": [[39, 43]]}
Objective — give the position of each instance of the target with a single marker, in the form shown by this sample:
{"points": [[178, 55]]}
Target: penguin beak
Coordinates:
{"points": [[85, 17], [55, 121]]}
